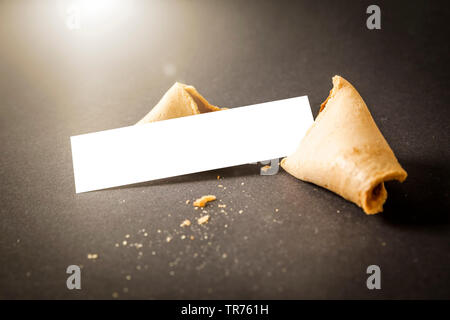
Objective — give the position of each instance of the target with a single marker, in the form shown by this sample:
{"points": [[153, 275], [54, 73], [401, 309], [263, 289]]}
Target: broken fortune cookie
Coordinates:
{"points": [[345, 152], [179, 101]]}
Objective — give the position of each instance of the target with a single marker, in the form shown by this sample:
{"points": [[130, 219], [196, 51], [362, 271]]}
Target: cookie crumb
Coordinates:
{"points": [[203, 219], [201, 202], [187, 201], [92, 256], [185, 223]]}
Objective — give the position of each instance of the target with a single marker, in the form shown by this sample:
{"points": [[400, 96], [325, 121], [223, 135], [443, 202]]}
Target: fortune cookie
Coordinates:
{"points": [[179, 101], [345, 152]]}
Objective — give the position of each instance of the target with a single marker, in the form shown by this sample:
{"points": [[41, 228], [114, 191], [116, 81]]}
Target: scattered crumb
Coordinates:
{"points": [[224, 256], [124, 243], [116, 245], [192, 237], [145, 234], [220, 186], [159, 231], [265, 168], [185, 223], [241, 211], [128, 277], [92, 256], [338, 211], [276, 210], [218, 177], [183, 237], [201, 202], [127, 236], [168, 239], [203, 219], [242, 183], [222, 205], [187, 201], [115, 295]]}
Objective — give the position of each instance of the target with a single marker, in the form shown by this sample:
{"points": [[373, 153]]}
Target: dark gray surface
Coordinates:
{"points": [[55, 83]]}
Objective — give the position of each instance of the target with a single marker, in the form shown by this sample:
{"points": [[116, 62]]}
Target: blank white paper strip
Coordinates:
{"points": [[190, 144]]}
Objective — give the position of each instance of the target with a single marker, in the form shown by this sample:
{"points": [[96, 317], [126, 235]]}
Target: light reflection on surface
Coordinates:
{"points": [[96, 55], [90, 14]]}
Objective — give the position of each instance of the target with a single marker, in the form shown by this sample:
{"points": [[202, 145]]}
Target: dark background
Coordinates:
{"points": [[56, 82]]}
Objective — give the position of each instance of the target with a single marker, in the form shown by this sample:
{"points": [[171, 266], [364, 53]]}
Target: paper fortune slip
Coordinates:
{"points": [[189, 144]]}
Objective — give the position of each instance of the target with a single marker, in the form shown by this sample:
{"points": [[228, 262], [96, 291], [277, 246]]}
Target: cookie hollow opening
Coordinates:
{"points": [[374, 198]]}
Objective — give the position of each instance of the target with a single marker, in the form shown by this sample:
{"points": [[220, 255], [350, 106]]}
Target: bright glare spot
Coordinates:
{"points": [[95, 13], [169, 69]]}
